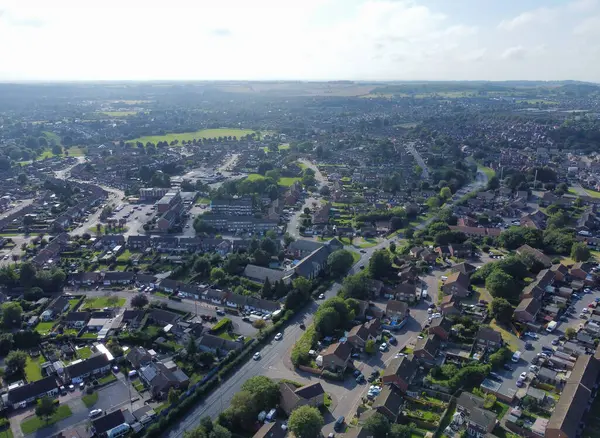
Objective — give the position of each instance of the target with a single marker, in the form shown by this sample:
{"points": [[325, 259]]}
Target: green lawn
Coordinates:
{"points": [[84, 353], [107, 379], [33, 371], [90, 399], [118, 113], [355, 257], [43, 328], [287, 182], [35, 423], [89, 335], [73, 303], [101, 302], [226, 335], [361, 242], [202, 133], [7, 433], [125, 255], [203, 201], [255, 177]]}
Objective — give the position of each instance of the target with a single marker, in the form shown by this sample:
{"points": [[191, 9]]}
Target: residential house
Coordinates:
{"points": [[96, 365], [76, 320], [527, 310], [428, 256], [396, 309], [583, 271], [443, 251], [276, 429], [416, 251], [457, 284], [560, 272], [426, 349], [337, 356], [359, 335], [117, 277], [301, 248], [406, 291], [83, 278], [160, 378], [539, 256], [110, 422], [388, 403], [292, 398], [489, 339], [216, 345], [480, 422], [58, 306], [139, 243], [440, 327], [460, 251], [464, 268], [450, 305], [313, 264], [139, 356], [23, 395], [400, 372], [260, 274], [163, 317], [132, 318]]}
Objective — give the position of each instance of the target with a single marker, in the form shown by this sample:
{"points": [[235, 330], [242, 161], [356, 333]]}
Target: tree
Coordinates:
{"points": [[378, 425], [580, 252], [217, 275], [27, 275], [15, 362], [306, 422], [173, 396], [370, 346], [445, 193], [380, 264], [396, 223], [265, 391], [22, 179], [259, 324], [57, 149], [6, 343], [355, 286], [202, 266], [139, 301], [401, 431], [570, 332], [339, 262], [392, 247], [11, 314], [219, 432], [267, 290], [501, 310], [327, 321], [500, 284], [243, 408], [269, 246], [45, 408]]}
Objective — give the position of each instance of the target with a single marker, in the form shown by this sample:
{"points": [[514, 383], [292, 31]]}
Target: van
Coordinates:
{"points": [[338, 424], [516, 356], [132, 373]]}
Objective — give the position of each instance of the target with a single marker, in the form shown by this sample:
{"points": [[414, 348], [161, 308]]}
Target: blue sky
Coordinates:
{"points": [[300, 39]]}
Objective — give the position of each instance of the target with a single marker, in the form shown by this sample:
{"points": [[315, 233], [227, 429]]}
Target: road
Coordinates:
{"points": [[410, 148]]}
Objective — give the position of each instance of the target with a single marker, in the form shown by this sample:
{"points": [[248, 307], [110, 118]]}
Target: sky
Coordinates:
{"points": [[383, 40]]}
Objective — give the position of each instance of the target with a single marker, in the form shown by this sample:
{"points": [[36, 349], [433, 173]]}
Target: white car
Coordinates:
{"points": [[436, 315], [278, 336], [95, 413], [383, 347], [429, 311], [523, 375], [532, 335], [585, 310], [256, 356], [321, 297], [533, 369]]}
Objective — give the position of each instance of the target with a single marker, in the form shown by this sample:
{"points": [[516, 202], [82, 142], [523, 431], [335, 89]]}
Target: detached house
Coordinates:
{"points": [[457, 284], [488, 338], [400, 372], [336, 356], [292, 397]]}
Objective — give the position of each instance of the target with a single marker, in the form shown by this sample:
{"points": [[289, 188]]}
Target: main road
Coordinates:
{"points": [[219, 399]]}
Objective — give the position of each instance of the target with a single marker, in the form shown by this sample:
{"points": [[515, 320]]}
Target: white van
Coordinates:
{"points": [[516, 356]]}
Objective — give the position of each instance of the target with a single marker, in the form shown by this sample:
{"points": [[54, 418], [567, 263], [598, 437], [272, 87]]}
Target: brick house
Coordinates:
{"points": [[400, 372], [440, 327], [337, 356], [457, 284]]}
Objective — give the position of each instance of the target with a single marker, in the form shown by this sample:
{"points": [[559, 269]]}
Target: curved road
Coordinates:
{"points": [[219, 399]]}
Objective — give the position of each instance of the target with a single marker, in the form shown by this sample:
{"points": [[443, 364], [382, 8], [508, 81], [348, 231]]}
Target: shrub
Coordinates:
{"points": [[332, 376], [301, 348], [223, 324]]}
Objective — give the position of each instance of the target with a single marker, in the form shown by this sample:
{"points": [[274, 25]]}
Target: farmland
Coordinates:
{"points": [[202, 133]]}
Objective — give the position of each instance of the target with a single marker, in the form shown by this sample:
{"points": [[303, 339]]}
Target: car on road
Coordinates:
{"points": [[95, 413], [523, 375], [532, 335], [322, 296], [339, 423], [302, 326], [383, 347], [361, 267], [245, 319], [220, 312], [548, 348], [362, 251], [82, 385], [256, 356], [278, 336]]}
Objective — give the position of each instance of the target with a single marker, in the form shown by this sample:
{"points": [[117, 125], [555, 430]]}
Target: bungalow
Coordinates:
{"points": [[83, 278], [400, 372], [160, 378], [58, 306], [440, 327], [396, 309], [117, 277], [388, 403], [235, 301], [216, 345], [426, 349], [163, 317], [76, 319], [457, 284], [527, 310], [488, 338], [292, 398], [168, 285], [94, 366], [336, 356], [146, 280], [21, 396], [261, 305], [214, 296]]}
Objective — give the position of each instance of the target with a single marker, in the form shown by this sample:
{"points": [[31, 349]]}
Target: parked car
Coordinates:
{"points": [[383, 347], [278, 336], [533, 368], [339, 423], [95, 413], [256, 356], [555, 342], [508, 367], [360, 378], [523, 375], [393, 341]]}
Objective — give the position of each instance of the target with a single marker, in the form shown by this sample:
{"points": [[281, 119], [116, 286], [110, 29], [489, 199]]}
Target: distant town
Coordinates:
{"points": [[340, 259]]}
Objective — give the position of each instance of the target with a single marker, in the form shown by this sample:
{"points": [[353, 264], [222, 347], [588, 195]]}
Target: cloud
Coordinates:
{"points": [[588, 27], [583, 5], [537, 16], [517, 52], [221, 32]]}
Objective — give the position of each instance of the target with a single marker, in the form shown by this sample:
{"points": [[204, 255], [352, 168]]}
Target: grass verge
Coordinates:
{"points": [[35, 423]]}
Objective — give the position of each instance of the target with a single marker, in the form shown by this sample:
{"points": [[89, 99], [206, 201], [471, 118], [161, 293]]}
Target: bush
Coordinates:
{"points": [[224, 324], [4, 423], [301, 348], [332, 376]]}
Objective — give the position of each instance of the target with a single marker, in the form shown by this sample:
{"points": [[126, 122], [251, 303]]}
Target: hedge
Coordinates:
{"points": [[221, 325], [303, 345]]}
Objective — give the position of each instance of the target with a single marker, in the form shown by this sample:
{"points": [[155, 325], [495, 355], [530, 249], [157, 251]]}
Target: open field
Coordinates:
{"points": [[284, 181], [202, 133], [101, 302], [118, 113]]}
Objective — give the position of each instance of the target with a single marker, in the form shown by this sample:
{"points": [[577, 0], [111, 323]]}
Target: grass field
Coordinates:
{"points": [[43, 328], [202, 201], [35, 423], [355, 257], [33, 371], [118, 113], [90, 399], [284, 181], [107, 379], [101, 302], [7, 433], [202, 133]]}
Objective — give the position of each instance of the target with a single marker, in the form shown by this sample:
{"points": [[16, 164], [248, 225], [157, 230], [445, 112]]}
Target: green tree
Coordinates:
{"points": [[11, 314], [380, 264], [202, 266], [217, 275], [173, 396], [355, 286], [327, 321], [339, 262], [378, 425], [401, 431], [244, 408], [570, 332], [445, 193], [267, 290], [501, 309], [139, 301], [6, 343], [500, 284], [306, 422], [57, 149], [392, 247], [264, 390], [15, 362], [27, 274], [219, 432], [580, 252], [302, 284], [45, 408], [370, 346], [259, 324]]}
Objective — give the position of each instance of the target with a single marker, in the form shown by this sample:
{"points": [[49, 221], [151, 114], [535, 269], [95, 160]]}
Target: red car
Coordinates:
{"points": [[592, 305]]}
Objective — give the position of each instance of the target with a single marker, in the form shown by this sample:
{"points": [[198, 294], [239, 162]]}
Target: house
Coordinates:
{"points": [[337, 356], [260, 274], [428, 256], [272, 430], [83, 278], [583, 271], [132, 318], [58, 306], [103, 425], [480, 422], [301, 248], [139, 356], [464, 268], [406, 291], [163, 317], [23, 395], [539, 256], [216, 345], [400, 372], [139, 243], [359, 335], [96, 365], [313, 264], [460, 251], [488, 338], [388, 403], [440, 327], [427, 348], [457, 284], [396, 309], [260, 304], [548, 376], [560, 272], [160, 379], [527, 310], [76, 320], [443, 251], [116, 277], [416, 251], [291, 397], [450, 305]]}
